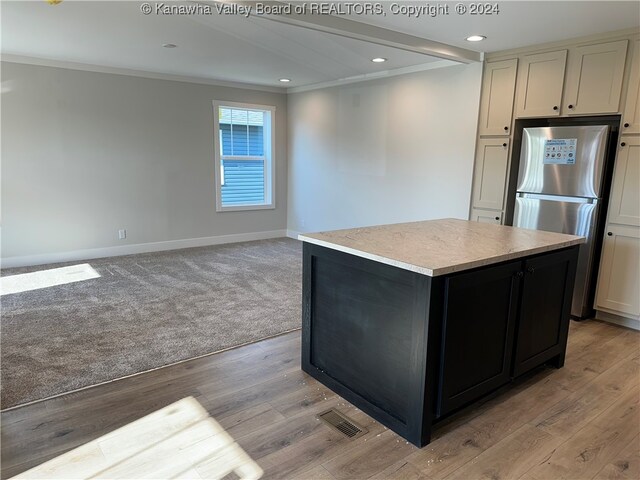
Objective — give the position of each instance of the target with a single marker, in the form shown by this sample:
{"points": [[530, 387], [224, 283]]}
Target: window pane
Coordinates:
{"points": [[225, 115], [256, 140], [225, 139], [243, 182], [239, 139], [241, 132]]}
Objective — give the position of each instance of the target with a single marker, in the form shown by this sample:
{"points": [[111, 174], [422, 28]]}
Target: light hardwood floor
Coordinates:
{"points": [[579, 422]]}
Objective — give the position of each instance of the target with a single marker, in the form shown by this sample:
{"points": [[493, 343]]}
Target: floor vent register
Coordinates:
{"points": [[342, 423]]}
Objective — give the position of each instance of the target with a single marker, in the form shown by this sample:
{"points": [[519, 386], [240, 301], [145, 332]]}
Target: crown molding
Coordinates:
{"points": [[47, 62]]}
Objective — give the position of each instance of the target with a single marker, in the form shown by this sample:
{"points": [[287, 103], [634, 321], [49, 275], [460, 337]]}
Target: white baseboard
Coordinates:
{"points": [[293, 234], [633, 323], [91, 253]]}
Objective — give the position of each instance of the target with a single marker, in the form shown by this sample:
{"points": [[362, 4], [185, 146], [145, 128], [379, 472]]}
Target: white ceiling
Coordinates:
{"points": [[259, 51], [519, 23]]}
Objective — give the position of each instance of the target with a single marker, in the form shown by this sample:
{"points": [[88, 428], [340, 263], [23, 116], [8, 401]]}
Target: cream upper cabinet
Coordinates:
{"points": [[496, 105], [540, 82], [594, 78], [490, 173], [619, 279], [624, 206], [631, 112], [486, 216]]}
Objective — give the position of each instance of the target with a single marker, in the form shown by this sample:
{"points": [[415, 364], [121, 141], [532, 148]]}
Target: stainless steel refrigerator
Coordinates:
{"points": [[559, 189]]}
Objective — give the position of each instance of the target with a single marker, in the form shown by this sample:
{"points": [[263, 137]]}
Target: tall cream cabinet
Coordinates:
{"points": [[492, 149], [496, 104], [490, 173], [631, 116], [624, 203], [619, 278], [618, 290], [599, 75]]}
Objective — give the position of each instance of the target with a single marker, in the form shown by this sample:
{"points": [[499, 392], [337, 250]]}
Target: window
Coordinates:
{"points": [[244, 163]]}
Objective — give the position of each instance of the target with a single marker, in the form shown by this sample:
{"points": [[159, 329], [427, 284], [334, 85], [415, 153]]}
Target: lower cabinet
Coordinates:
{"points": [[502, 321], [545, 309], [479, 321], [486, 216], [624, 203], [619, 278], [490, 173]]}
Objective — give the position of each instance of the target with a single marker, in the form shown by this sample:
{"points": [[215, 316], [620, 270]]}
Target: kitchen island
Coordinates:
{"points": [[411, 322]]}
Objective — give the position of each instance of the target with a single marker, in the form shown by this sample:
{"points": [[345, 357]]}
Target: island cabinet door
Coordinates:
{"points": [[545, 310], [478, 330]]}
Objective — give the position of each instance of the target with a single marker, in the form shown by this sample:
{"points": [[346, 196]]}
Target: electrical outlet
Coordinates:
{"points": [[122, 234]]}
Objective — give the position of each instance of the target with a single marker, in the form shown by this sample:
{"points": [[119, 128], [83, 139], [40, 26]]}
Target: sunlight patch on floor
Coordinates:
{"points": [[177, 441], [25, 282]]}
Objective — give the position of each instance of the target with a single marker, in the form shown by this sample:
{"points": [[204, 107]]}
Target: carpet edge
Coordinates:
{"points": [[8, 409]]}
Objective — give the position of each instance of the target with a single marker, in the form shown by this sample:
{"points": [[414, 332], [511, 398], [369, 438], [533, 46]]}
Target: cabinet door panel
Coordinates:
{"points": [[363, 323], [631, 114], [490, 173], [480, 312], [619, 279], [486, 216], [625, 191], [594, 78], [540, 84], [545, 309], [496, 105]]}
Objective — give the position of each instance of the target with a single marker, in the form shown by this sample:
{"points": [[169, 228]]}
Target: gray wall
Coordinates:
{"points": [[384, 151], [84, 154]]}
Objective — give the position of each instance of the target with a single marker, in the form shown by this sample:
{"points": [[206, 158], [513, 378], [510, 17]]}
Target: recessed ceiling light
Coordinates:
{"points": [[285, 80], [378, 60], [476, 38], [169, 45]]}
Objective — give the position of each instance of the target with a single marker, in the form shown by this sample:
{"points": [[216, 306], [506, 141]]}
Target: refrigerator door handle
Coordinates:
{"points": [[557, 198]]}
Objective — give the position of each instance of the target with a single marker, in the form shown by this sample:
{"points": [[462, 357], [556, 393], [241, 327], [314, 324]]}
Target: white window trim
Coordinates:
{"points": [[269, 155]]}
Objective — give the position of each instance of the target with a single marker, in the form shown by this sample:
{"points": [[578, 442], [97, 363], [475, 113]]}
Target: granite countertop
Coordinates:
{"points": [[439, 247]]}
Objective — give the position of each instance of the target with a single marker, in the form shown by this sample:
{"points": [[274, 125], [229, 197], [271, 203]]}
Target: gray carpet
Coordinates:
{"points": [[145, 311]]}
